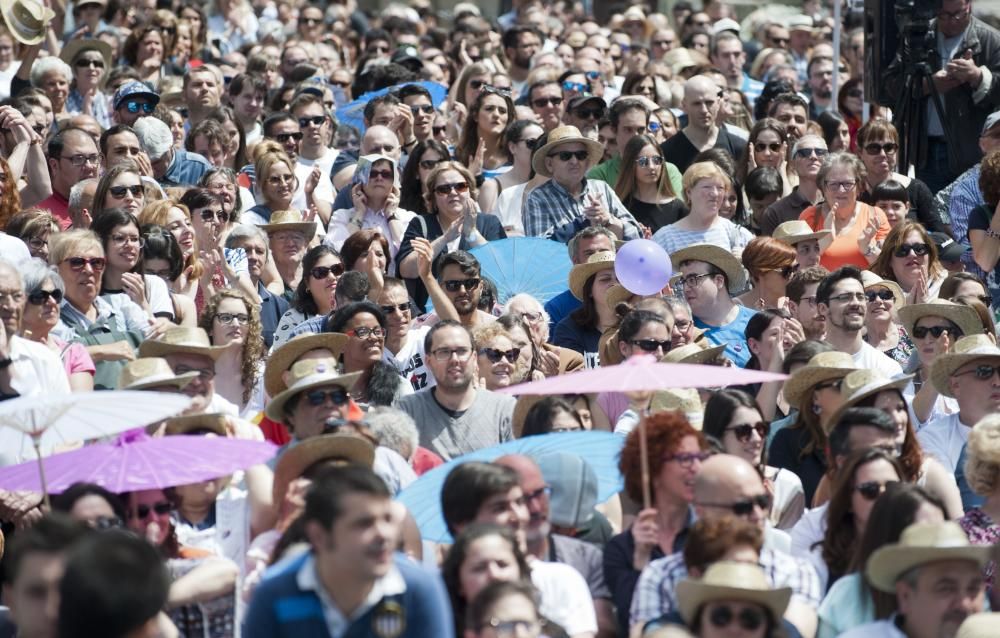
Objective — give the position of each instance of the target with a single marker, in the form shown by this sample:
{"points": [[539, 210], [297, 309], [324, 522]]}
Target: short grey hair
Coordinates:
{"points": [[841, 160], [44, 66], [34, 274], [77, 191], [394, 429], [678, 303], [587, 233], [243, 232], [808, 137], [9, 267], [154, 136]]}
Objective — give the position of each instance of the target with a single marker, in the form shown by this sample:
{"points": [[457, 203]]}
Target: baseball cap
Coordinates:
{"points": [[407, 56], [580, 100], [948, 248], [574, 488], [726, 24], [133, 89]]}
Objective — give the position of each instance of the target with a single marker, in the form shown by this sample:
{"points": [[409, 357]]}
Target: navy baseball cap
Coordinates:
{"points": [[133, 89]]}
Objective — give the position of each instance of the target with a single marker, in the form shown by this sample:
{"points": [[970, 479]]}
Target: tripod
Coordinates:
{"points": [[909, 116]]}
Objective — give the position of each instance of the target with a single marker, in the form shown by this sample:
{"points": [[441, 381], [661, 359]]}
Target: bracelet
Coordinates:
{"points": [[992, 233]]}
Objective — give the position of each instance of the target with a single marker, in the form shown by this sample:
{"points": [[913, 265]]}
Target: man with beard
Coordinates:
{"points": [[840, 299], [351, 582], [702, 99], [457, 416], [520, 44], [73, 156], [791, 110], [459, 276], [801, 294], [820, 85]]}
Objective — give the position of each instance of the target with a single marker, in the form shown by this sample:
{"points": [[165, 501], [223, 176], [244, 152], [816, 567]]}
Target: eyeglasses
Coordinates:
{"points": [[142, 511], [310, 21], [80, 160], [848, 297], [744, 431], [380, 173], [494, 355], [426, 109], [760, 147], [575, 86], [785, 271], [744, 507], [875, 149], [662, 43], [856, 93], [121, 240], [364, 332], [841, 186], [530, 142], [454, 285], [77, 264], [39, 297], [226, 318], [749, 619], [871, 490], [119, 192], [279, 180], [445, 354], [919, 249], [692, 280], [210, 215], [651, 345], [921, 332], [284, 137], [134, 106], [322, 272], [688, 459], [565, 156], [317, 398], [85, 64], [803, 153], [429, 164], [403, 308], [779, 41], [457, 187], [983, 372], [589, 114], [316, 120], [884, 295], [955, 15], [542, 102], [650, 161]]}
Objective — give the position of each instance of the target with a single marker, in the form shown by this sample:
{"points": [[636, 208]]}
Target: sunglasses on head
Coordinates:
{"points": [[317, 398], [651, 345], [760, 147], [494, 355], [454, 285], [875, 149], [919, 249], [322, 272], [565, 156], [79, 263], [119, 192], [871, 490], [39, 297], [458, 187], [134, 106], [284, 137], [921, 332], [744, 431], [749, 619], [160, 509]]}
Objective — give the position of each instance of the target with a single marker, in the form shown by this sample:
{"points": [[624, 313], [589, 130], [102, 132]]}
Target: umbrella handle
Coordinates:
{"points": [[644, 460], [37, 443]]}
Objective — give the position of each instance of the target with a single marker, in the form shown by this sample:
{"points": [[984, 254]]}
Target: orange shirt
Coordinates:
{"points": [[844, 251]]}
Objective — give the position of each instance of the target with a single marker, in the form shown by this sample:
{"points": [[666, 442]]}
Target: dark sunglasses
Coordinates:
{"points": [[875, 149], [803, 153], [651, 345], [495, 355], [984, 372], [589, 114], [871, 490], [884, 295], [284, 137], [161, 509], [749, 619], [438, 130], [458, 187], [744, 431], [426, 109], [651, 160], [453, 285], [744, 507], [39, 297], [760, 147], [310, 21], [566, 156], [918, 249], [208, 215], [855, 93], [921, 332], [120, 191], [318, 397], [134, 106], [542, 102], [384, 173], [322, 272], [78, 263], [316, 120], [477, 84], [84, 64], [530, 143], [403, 308]]}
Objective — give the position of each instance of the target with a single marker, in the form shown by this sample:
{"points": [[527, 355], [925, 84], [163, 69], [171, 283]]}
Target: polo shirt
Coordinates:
{"points": [[185, 169], [786, 209]]}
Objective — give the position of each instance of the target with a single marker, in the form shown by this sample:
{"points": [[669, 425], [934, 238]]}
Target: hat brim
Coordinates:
{"points": [[538, 159], [177, 381], [75, 46], [946, 364], [154, 348], [702, 356], [718, 257], [791, 240], [275, 409], [307, 228], [186, 424], [282, 358], [899, 298], [20, 34], [890, 562], [298, 458], [580, 273], [863, 393], [962, 316], [805, 379], [693, 594]]}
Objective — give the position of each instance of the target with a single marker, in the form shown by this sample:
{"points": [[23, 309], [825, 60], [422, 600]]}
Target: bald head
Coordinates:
{"points": [[701, 102], [725, 480], [382, 141], [535, 495]]}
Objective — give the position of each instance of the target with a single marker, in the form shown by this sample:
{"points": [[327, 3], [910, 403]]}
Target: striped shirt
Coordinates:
{"points": [[550, 211], [723, 233]]}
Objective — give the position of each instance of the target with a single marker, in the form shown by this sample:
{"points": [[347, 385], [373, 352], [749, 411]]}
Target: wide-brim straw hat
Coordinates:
{"points": [[730, 580], [301, 456], [797, 231], [290, 219], [524, 404], [718, 257], [922, 543], [78, 45], [693, 353], [981, 625], [860, 385], [685, 400], [965, 350], [871, 280], [823, 367], [618, 294], [27, 20], [959, 314], [215, 423], [306, 375], [607, 348], [181, 340], [151, 372], [289, 352], [565, 135], [580, 273]]}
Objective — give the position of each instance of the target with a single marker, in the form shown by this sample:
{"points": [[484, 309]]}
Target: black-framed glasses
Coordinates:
{"points": [[748, 618], [142, 511], [875, 148], [80, 160], [79, 263], [39, 297], [691, 281], [445, 354], [454, 285], [921, 332], [744, 431], [803, 153], [651, 345], [119, 192], [495, 355], [871, 490], [226, 318], [317, 398], [284, 137], [983, 371], [530, 142], [744, 506], [438, 130], [447, 189], [476, 85], [760, 147], [687, 459], [315, 120], [86, 64], [650, 160], [565, 156], [364, 332], [403, 308], [310, 21], [918, 248], [322, 272], [209, 215], [542, 102], [134, 106], [884, 295]]}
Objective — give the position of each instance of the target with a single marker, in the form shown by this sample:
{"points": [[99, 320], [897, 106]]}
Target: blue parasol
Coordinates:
{"points": [[599, 449], [353, 114], [533, 265]]}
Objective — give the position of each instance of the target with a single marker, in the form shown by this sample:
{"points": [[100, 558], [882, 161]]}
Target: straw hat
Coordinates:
{"points": [[187, 424], [729, 580], [181, 340], [580, 273], [77, 46], [693, 353], [718, 257], [959, 314], [306, 375], [524, 404], [290, 219], [607, 348], [634, 13], [289, 352], [564, 135], [797, 231], [871, 280], [858, 386], [922, 543], [298, 458], [686, 400], [965, 350], [26, 19], [825, 366], [801, 22], [151, 372], [618, 294], [981, 625]]}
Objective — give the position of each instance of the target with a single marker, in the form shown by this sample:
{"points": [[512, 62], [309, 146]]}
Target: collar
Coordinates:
{"points": [[562, 189], [391, 584]]}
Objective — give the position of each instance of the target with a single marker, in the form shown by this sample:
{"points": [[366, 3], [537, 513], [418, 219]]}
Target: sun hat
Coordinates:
{"points": [[858, 386], [574, 488], [693, 353], [565, 135], [181, 340], [959, 314], [716, 256], [726, 24], [354, 450], [981, 625], [77, 46], [685, 400], [151, 372], [26, 19], [825, 366], [215, 423], [618, 294], [965, 350], [634, 13], [133, 89], [922, 543], [289, 352], [797, 231], [730, 580], [580, 273], [801, 22], [871, 280], [306, 375], [290, 219]]}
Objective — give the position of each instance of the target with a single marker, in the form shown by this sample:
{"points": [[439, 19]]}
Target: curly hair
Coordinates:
{"points": [[664, 433], [10, 201], [254, 350], [882, 266], [130, 50], [989, 179], [982, 465]]}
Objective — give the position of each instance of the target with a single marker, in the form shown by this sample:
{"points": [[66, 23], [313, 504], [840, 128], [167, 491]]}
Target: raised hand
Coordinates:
{"points": [[425, 256], [359, 199]]}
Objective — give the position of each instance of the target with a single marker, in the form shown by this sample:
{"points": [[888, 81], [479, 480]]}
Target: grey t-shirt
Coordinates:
{"points": [[484, 424], [584, 557]]}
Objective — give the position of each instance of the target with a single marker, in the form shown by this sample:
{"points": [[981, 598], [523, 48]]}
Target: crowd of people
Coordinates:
{"points": [[279, 211]]}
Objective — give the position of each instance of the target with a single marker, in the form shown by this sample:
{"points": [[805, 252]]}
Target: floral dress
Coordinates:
{"points": [[982, 530]]}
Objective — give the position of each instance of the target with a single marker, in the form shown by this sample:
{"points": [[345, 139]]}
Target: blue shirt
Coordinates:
{"points": [[751, 89], [185, 169], [732, 335], [559, 308]]}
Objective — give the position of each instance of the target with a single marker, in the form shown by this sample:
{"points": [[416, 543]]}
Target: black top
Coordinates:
{"points": [[656, 216], [679, 151], [921, 205], [785, 452]]}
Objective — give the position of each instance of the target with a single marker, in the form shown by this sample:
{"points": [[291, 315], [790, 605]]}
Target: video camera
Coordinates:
{"points": [[916, 38]]}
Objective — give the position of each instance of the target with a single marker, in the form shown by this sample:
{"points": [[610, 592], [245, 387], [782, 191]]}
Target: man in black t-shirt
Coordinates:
{"points": [[701, 102]]}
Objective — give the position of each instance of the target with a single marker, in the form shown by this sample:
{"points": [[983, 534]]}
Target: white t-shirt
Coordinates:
{"points": [[324, 190], [158, 296], [877, 629], [943, 438], [943, 406], [869, 358], [411, 360], [565, 597], [810, 530], [508, 209]]}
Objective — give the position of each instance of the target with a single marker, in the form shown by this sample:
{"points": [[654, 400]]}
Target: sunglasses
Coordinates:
{"points": [[542, 102], [984, 372], [786, 271], [566, 156], [653, 160], [403, 308], [744, 431], [317, 398], [364, 332], [134, 106], [744, 507], [651, 345], [458, 187], [654, 127], [119, 192], [884, 295], [161, 509], [209, 215], [575, 86], [760, 147], [284, 137], [39, 297], [749, 619], [439, 130], [77, 264], [921, 332], [84, 64], [426, 109], [322, 272], [454, 285], [875, 149], [589, 114], [477, 84], [871, 490], [530, 143], [918, 249], [495, 355], [316, 120], [803, 153], [429, 164], [855, 93], [383, 173]]}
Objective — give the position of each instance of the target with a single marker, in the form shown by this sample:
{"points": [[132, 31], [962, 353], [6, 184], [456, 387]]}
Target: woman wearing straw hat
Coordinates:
{"points": [[800, 236], [884, 331], [581, 331], [90, 60], [733, 593]]}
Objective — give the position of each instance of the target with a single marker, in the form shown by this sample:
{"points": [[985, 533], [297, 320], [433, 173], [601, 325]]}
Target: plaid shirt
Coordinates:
{"points": [[550, 211], [656, 592]]}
